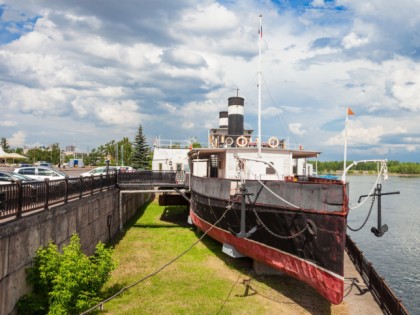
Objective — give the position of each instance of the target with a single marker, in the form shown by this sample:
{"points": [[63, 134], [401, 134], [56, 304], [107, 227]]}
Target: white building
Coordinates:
{"points": [[170, 155]]}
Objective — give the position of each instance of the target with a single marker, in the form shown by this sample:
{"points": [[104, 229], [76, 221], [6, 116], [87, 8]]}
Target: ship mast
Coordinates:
{"points": [[259, 87]]}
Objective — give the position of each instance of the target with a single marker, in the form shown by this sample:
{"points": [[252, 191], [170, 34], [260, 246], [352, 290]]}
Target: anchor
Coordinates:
{"points": [[381, 229], [243, 233]]}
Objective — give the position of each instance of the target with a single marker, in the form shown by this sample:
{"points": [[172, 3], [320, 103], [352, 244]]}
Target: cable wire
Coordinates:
{"points": [[159, 269]]}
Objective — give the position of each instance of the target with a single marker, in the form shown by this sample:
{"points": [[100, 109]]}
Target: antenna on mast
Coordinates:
{"points": [[237, 92]]}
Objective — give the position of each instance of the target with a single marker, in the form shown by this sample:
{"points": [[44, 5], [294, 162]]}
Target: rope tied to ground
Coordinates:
{"points": [[101, 304]]}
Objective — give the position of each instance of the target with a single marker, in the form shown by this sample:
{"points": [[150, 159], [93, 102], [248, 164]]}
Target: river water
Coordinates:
{"points": [[395, 255]]}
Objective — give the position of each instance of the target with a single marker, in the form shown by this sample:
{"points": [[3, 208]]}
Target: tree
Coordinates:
{"points": [[141, 151], [67, 282], [5, 145]]}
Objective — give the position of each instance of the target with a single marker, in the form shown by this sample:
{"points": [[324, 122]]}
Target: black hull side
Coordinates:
{"points": [[316, 258], [325, 249]]}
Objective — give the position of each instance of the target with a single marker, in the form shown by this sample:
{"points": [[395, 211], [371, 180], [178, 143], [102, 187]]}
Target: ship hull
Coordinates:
{"points": [[281, 237]]}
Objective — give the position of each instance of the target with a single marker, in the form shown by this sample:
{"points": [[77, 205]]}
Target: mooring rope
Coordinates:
{"points": [[100, 305], [277, 196], [270, 191], [382, 172]]}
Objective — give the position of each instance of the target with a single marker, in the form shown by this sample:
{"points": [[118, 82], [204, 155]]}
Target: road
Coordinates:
{"points": [[71, 171]]}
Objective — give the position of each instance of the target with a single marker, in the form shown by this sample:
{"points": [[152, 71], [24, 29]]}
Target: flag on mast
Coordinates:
{"points": [[349, 111]]}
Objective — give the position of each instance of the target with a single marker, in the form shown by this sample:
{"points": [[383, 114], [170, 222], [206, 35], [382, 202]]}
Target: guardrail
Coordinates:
{"points": [[383, 294], [151, 177], [21, 198]]}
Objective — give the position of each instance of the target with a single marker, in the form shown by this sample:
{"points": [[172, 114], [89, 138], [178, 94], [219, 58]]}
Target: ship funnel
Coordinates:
{"points": [[223, 119], [235, 116]]}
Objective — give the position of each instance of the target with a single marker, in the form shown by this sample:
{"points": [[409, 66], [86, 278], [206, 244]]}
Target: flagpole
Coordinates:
{"points": [[345, 147], [259, 88]]}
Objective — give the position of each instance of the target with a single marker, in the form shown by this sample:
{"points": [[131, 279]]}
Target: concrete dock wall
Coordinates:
{"points": [[94, 218]]}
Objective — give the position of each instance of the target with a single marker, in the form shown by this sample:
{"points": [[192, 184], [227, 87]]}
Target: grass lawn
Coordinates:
{"points": [[203, 281]]}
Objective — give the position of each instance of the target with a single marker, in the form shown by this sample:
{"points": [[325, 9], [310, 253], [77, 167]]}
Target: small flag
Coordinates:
{"points": [[349, 111], [260, 31]]}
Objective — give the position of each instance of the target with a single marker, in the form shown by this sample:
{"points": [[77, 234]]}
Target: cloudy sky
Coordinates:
{"points": [[87, 72]]}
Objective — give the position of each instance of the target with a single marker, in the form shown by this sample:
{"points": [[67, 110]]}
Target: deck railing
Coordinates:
{"points": [[21, 198], [383, 294]]}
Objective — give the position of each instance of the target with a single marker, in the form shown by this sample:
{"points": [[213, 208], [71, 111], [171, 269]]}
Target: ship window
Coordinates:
{"points": [[178, 167], [270, 170], [160, 166]]}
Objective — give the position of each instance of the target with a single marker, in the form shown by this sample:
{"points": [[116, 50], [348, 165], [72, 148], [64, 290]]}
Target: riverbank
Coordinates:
{"points": [[204, 280]]}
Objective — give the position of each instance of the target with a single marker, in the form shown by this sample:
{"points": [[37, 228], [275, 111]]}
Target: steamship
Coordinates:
{"points": [[257, 197]]}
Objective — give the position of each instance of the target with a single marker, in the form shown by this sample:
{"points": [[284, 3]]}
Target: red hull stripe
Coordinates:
{"points": [[328, 284]]}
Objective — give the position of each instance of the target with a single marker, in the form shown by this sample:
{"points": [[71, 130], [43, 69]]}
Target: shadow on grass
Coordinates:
{"points": [[295, 290], [298, 292]]}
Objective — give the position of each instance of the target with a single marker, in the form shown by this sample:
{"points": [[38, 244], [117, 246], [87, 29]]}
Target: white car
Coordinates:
{"points": [[10, 178], [99, 171], [41, 173]]}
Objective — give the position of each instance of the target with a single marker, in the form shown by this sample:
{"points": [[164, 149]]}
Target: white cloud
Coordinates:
{"points": [[172, 65], [296, 128], [212, 18], [17, 139], [354, 40], [8, 123]]}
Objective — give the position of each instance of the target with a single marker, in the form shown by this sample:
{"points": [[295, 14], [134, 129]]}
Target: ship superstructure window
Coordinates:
{"points": [[214, 165], [270, 170]]}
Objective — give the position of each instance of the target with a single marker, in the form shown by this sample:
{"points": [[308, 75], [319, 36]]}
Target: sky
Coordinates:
{"points": [[84, 73]]}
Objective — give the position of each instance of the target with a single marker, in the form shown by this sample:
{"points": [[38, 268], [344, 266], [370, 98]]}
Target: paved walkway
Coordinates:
{"points": [[356, 295]]}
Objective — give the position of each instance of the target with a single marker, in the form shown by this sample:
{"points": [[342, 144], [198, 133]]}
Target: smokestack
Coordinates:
{"points": [[235, 116], [223, 119]]}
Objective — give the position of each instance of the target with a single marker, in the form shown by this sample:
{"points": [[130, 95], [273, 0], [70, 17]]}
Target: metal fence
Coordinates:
{"points": [[383, 294], [20, 198], [151, 177]]}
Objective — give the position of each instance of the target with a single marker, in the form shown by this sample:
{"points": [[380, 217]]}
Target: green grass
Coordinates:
{"points": [[203, 281]]}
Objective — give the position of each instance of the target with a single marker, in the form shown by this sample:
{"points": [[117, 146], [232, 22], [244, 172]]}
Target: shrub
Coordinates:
{"points": [[67, 282]]}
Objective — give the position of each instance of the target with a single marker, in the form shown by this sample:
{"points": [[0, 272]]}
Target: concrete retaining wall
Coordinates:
{"points": [[89, 217]]}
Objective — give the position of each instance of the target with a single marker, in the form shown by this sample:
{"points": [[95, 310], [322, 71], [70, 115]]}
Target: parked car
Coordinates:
{"points": [[125, 169], [24, 165], [99, 171], [41, 173], [10, 177]]}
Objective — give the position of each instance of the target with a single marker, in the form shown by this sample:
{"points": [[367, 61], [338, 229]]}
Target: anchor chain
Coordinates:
{"points": [[367, 217], [310, 225]]}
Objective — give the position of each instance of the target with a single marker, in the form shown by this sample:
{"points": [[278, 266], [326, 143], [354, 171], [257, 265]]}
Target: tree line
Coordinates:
{"points": [[395, 167], [123, 152]]}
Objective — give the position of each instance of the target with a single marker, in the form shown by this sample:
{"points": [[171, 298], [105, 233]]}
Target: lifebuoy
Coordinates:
{"points": [[273, 142], [229, 141], [242, 141]]}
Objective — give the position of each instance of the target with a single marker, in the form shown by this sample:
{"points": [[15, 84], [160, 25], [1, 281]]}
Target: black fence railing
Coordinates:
{"points": [[383, 294], [20, 198], [152, 177]]}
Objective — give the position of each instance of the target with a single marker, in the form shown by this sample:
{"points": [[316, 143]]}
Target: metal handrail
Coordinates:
{"points": [[21, 198]]}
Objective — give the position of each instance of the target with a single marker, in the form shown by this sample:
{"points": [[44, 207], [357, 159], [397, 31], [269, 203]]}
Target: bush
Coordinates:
{"points": [[68, 282]]}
